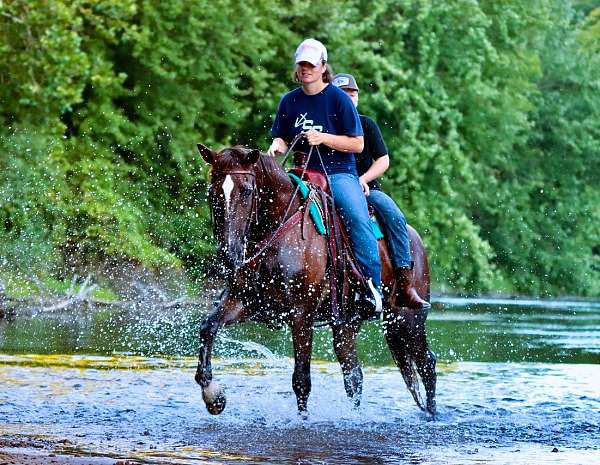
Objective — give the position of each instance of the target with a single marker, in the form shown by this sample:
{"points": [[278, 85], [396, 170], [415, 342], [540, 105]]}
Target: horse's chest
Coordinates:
{"points": [[284, 264]]}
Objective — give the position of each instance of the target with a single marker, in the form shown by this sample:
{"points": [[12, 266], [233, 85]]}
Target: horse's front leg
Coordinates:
{"points": [[344, 345], [302, 336], [227, 311]]}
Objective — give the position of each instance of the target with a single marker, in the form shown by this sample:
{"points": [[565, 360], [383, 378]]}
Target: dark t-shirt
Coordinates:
{"points": [[374, 148], [330, 111]]}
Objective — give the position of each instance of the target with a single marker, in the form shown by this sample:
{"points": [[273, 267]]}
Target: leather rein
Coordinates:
{"points": [[286, 223]]}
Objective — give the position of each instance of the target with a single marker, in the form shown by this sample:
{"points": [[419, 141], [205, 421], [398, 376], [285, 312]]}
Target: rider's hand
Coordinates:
{"points": [[364, 185], [314, 137], [278, 146]]}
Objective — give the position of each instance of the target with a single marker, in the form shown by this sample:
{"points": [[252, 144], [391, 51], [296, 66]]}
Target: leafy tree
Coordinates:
{"points": [[489, 110]]}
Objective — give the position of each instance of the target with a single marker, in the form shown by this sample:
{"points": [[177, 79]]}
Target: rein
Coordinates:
{"points": [[286, 223], [296, 138]]}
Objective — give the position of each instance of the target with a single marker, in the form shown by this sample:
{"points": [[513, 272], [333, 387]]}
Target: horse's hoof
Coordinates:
{"points": [[214, 398], [303, 414], [432, 411]]}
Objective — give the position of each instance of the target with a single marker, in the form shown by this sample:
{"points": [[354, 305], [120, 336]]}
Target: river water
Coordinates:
{"points": [[517, 383]]}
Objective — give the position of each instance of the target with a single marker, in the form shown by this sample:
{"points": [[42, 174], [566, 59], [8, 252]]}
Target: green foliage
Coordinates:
{"points": [[32, 208], [452, 96], [590, 32], [489, 110]]}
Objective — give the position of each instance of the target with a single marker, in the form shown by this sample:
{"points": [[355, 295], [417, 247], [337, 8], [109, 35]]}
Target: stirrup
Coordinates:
{"points": [[375, 298]]}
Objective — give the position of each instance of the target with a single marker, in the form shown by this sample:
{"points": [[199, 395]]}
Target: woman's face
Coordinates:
{"points": [[309, 73]]}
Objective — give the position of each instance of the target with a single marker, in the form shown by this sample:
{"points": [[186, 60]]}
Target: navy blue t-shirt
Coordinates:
{"points": [[330, 111]]}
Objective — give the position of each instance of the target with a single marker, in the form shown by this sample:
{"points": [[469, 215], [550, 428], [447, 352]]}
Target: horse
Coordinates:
{"points": [[285, 281]]}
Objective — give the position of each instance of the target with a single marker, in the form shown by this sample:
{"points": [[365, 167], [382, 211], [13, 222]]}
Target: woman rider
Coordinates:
{"points": [[329, 120], [370, 164]]}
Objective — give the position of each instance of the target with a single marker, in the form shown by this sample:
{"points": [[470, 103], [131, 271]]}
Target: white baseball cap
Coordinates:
{"points": [[311, 50]]}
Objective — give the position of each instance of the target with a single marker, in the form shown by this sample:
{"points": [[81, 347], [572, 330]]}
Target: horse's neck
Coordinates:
{"points": [[276, 194]]}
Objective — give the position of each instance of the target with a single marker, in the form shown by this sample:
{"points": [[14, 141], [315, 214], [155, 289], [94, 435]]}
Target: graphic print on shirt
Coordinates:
{"points": [[307, 124]]}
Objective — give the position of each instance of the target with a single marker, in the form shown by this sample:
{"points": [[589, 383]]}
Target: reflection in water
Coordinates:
{"points": [[497, 402], [478, 332]]}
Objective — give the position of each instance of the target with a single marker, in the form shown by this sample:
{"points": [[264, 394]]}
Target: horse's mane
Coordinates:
{"points": [[269, 164], [266, 166]]}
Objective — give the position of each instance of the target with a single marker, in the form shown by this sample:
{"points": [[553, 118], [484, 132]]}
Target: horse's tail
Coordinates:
{"points": [[422, 279], [411, 378], [406, 336]]}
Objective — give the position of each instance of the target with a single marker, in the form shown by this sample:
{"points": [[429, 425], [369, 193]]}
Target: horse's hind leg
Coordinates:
{"points": [[226, 311], [424, 358], [344, 345]]}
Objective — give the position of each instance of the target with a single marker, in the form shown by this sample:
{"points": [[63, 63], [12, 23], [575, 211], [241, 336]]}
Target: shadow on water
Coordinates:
{"points": [[515, 383]]}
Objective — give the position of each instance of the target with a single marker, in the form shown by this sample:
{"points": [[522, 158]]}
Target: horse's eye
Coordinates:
{"points": [[246, 190]]}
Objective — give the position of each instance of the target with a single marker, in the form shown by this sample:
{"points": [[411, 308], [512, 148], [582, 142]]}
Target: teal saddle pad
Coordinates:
{"points": [[316, 215]]}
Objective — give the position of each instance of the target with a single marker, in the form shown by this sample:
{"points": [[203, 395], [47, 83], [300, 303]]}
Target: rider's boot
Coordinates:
{"points": [[407, 294]]}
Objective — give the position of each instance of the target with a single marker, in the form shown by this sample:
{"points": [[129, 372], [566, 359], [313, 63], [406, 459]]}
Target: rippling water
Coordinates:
{"points": [[517, 384]]}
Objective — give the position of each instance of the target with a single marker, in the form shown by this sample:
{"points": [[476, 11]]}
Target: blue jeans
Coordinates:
{"points": [[394, 224], [352, 205]]}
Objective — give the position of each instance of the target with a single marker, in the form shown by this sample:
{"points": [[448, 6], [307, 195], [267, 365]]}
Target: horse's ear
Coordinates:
{"points": [[208, 154], [252, 156]]}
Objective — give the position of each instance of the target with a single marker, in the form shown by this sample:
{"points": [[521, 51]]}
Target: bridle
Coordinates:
{"points": [[284, 222]]}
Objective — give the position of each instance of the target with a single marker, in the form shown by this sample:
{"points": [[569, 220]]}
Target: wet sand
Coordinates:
{"points": [[32, 452]]}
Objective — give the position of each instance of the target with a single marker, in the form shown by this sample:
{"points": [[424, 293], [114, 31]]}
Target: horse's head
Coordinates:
{"points": [[233, 200]]}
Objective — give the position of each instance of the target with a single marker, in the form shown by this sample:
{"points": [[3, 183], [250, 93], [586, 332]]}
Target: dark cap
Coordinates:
{"points": [[345, 81]]}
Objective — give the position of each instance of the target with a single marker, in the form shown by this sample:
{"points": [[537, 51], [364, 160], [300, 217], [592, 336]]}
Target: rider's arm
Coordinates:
{"points": [[278, 146], [377, 154], [378, 167], [336, 142]]}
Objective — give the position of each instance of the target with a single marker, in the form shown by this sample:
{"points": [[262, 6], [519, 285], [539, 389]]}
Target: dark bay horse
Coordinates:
{"points": [[277, 272]]}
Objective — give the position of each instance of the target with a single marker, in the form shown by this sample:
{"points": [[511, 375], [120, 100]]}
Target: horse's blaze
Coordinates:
{"points": [[227, 188], [214, 398]]}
